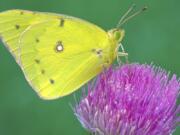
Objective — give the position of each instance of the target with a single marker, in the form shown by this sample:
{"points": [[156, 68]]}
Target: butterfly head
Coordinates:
{"points": [[115, 38], [116, 35]]}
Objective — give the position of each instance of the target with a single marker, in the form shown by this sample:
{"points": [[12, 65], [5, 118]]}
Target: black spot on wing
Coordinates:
{"points": [[17, 26], [51, 81], [37, 40], [62, 21], [37, 61], [98, 52], [43, 71], [21, 13]]}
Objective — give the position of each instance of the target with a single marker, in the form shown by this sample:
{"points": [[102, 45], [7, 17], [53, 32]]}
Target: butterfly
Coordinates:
{"points": [[58, 53]]}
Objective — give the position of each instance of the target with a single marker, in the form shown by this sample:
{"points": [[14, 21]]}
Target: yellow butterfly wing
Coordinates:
{"points": [[64, 58], [14, 22], [58, 54]]}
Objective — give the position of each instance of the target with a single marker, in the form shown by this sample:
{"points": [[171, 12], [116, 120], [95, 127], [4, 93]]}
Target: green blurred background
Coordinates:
{"points": [[150, 37]]}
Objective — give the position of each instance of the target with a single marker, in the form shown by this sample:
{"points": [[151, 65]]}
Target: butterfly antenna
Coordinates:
{"points": [[126, 14], [125, 18]]}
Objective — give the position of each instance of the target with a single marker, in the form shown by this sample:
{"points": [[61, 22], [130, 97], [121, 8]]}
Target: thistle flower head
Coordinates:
{"points": [[131, 100]]}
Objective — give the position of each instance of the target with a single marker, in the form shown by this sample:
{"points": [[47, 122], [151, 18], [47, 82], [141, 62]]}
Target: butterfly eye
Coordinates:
{"points": [[117, 35]]}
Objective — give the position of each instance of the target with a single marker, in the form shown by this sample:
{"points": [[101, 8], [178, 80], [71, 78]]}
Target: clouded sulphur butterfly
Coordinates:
{"points": [[57, 53]]}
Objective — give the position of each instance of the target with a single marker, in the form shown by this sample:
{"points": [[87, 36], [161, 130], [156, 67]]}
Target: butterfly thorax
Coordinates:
{"points": [[115, 36]]}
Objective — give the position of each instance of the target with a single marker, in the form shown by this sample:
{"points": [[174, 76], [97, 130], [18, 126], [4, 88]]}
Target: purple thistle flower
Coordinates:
{"points": [[131, 100]]}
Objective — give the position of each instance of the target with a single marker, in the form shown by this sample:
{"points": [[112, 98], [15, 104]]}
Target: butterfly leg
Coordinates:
{"points": [[120, 54]]}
